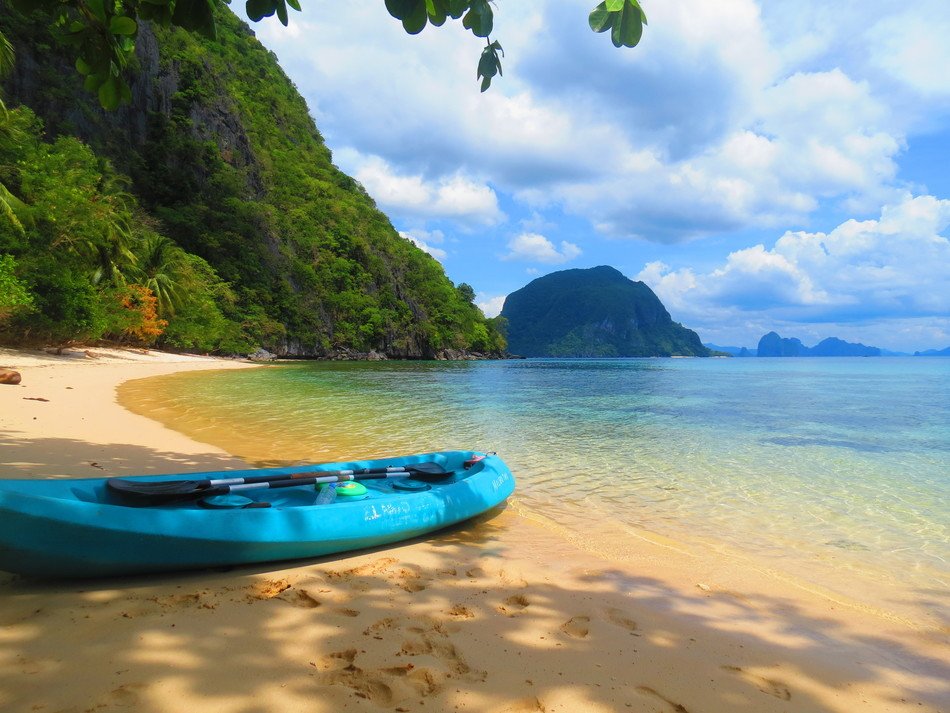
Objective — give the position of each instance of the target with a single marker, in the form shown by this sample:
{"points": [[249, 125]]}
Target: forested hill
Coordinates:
{"points": [[594, 313], [205, 215]]}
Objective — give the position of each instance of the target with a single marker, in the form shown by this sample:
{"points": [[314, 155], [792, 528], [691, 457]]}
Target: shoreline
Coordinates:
{"points": [[501, 614]]}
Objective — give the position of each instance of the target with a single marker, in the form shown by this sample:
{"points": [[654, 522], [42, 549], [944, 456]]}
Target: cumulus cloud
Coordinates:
{"points": [[455, 196], [893, 271], [490, 305], [533, 247]]}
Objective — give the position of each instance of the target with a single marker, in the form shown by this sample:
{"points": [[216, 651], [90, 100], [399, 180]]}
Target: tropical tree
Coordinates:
{"points": [[12, 208], [103, 33], [162, 268], [13, 293]]}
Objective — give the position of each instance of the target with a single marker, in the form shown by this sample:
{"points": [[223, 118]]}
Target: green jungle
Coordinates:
{"points": [[206, 214]]}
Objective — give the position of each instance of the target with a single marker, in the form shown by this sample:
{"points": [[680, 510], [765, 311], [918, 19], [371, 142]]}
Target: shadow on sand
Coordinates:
{"points": [[434, 625]]}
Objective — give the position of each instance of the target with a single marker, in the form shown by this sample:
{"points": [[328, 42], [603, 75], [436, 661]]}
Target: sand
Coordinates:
{"points": [[501, 614]]}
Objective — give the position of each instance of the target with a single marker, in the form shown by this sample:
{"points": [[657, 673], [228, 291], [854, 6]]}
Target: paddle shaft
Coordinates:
{"points": [[294, 482], [214, 482], [167, 490]]}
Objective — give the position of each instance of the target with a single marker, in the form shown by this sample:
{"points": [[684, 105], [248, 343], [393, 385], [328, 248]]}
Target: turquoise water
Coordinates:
{"points": [[837, 470]]}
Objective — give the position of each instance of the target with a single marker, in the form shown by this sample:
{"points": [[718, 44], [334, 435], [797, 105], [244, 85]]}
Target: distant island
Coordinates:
{"points": [[773, 345], [934, 353], [731, 351], [597, 312]]}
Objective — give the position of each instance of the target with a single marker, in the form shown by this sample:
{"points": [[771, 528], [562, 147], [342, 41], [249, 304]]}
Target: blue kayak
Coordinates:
{"points": [[94, 527]]}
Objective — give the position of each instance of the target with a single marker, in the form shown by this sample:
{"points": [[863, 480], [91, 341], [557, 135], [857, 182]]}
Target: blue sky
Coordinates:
{"points": [[761, 165]]}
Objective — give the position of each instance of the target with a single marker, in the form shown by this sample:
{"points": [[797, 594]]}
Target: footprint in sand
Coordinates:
{"points": [[364, 570], [267, 589], [675, 707], [411, 581], [302, 598], [460, 611], [125, 696], [337, 660], [577, 627], [766, 685], [180, 601], [348, 612], [416, 647], [377, 629], [525, 705], [514, 605], [620, 618]]}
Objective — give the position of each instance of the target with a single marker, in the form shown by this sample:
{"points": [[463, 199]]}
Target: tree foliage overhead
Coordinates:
{"points": [[102, 33], [209, 208]]}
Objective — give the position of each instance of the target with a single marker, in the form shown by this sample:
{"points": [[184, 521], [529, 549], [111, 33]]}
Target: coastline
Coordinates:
{"points": [[504, 614]]}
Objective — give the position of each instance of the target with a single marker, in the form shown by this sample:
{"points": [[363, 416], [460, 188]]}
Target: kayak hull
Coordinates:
{"points": [[78, 528]]}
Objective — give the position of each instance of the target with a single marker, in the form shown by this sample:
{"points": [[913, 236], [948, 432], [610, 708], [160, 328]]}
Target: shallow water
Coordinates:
{"points": [[834, 470]]}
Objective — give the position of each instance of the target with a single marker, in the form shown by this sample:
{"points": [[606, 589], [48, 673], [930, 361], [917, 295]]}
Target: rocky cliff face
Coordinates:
{"points": [[593, 313], [70, 110]]}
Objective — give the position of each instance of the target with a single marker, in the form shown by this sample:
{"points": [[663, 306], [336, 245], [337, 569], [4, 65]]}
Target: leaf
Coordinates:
{"points": [[615, 5], [198, 16], [97, 8], [399, 8], [93, 82], [415, 21], [122, 25], [489, 64], [457, 8], [257, 9], [437, 11], [109, 93], [82, 67], [282, 12], [600, 19], [479, 19], [156, 13], [643, 15], [628, 27], [295, 5]]}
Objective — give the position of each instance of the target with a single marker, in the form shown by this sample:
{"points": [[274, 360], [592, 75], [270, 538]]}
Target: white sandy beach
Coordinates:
{"points": [[503, 614]]}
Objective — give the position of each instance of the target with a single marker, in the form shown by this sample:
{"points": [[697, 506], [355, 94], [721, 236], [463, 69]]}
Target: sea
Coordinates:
{"points": [[834, 472]]}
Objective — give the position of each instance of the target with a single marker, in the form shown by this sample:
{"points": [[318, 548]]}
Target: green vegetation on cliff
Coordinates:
{"points": [[232, 216], [593, 313]]}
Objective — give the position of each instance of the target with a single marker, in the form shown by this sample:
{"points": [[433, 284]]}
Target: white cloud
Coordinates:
{"points": [[420, 242], [532, 247], [490, 305], [455, 196], [883, 278], [726, 116], [912, 47]]}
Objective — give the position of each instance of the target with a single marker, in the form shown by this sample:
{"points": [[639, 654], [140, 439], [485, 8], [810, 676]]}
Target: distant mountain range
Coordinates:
{"points": [[934, 352], [773, 345], [593, 313]]}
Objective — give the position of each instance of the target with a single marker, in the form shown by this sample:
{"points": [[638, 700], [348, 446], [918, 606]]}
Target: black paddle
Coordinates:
{"points": [[176, 489]]}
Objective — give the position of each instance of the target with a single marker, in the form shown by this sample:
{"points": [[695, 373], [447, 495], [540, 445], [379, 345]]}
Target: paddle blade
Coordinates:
{"points": [[156, 490], [428, 471]]}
